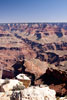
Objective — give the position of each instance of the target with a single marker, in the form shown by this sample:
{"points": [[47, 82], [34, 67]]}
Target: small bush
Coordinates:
{"points": [[58, 98], [18, 87]]}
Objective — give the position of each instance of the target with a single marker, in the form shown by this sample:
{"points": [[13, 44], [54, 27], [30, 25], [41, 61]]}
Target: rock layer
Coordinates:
{"points": [[38, 50]]}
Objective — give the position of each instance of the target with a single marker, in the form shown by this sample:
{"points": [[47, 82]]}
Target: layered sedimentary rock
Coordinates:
{"points": [[38, 50]]}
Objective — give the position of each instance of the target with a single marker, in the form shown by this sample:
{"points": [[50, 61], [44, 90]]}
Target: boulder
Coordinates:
{"points": [[24, 79], [8, 85]]}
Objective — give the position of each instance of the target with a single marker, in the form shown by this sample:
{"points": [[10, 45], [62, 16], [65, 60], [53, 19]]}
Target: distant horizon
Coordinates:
{"points": [[30, 22], [33, 11]]}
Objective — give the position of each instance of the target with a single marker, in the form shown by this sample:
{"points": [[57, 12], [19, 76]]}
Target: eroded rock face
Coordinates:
{"points": [[61, 89], [33, 68], [56, 80], [43, 73], [28, 39]]}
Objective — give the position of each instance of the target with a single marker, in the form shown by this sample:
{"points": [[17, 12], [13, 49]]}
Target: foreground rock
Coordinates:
{"points": [[39, 93], [24, 79], [32, 93], [63, 98], [8, 85]]}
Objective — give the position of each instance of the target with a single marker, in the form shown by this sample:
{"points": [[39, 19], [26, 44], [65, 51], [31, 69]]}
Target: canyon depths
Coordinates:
{"points": [[38, 50]]}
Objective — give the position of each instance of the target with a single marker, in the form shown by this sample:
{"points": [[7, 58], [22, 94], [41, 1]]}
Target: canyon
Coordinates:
{"points": [[38, 50]]}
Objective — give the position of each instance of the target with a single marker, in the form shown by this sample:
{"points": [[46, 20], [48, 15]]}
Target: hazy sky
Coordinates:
{"points": [[33, 11]]}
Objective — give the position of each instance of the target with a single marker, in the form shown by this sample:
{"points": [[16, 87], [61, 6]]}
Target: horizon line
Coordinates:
{"points": [[28, 22]]}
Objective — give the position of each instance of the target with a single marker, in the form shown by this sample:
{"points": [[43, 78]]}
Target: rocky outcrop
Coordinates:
{"points": [[24, 79], [34, 93], [39, 93], [33, 68], [8, 85], [44, 73], [61, 89], [56, 80]]}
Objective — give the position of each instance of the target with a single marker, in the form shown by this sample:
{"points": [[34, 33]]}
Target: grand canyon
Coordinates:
{"points": [[38, 50]]}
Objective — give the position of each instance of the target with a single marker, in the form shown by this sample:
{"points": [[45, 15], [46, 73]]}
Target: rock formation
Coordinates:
{"points": [[8, 85], [34, 93], [38, 50]]}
